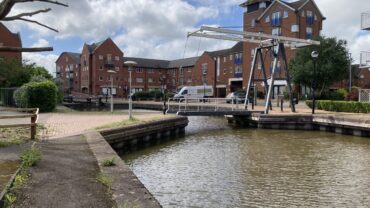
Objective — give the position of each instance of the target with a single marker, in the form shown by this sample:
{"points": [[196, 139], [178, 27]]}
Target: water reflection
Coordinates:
{"points": [[218, 166]]}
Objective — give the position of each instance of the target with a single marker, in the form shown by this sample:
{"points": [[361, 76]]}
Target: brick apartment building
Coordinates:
{"points": [[90, 72], [7, 38], [226, 70], [300, 19]]}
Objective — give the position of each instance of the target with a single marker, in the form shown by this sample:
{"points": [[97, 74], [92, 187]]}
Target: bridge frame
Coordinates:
{"points": [[265, 41]]}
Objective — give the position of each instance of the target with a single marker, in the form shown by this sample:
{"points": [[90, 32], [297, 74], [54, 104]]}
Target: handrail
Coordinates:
{"points": [[34, 115], [199, 104]]}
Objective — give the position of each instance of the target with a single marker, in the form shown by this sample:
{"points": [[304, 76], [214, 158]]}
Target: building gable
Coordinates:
{"points": [[272, 6], [311, 3]]}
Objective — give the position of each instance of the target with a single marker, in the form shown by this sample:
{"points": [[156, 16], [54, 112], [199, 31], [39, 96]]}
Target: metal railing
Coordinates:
{"points": [[364, 95], [204, 104]]}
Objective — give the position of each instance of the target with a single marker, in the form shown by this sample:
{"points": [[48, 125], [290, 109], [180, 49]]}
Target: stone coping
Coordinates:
{"points": [[126, 189]]}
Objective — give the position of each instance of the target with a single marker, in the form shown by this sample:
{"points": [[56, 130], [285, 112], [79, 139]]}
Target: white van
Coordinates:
{"points": [[189, 92]]}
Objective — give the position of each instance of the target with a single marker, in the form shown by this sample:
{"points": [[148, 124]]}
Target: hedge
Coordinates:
{"points": [[341, 106], [151, 95], [42, 95]]}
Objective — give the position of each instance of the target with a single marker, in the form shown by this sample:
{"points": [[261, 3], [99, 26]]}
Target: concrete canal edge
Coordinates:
{"points": [[329, 123], [126, 189]]}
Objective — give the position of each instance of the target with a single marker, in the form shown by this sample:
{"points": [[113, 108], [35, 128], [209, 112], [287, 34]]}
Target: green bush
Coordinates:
{"points": [[151, 95], [341, 106], [42, 95]]}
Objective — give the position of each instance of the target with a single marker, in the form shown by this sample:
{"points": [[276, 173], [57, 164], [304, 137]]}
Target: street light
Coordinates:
{"points": [[163, 82], [130, 65], [314, 56], [111, 72]]}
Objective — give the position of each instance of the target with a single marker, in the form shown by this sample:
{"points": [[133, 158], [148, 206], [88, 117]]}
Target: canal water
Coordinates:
{"points": [[216, 165]]}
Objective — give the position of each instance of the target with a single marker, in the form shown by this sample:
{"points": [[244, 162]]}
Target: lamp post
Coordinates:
{"points": [[314, 56], [350, 73], [130, 65], [163, 83], [111, 72]]}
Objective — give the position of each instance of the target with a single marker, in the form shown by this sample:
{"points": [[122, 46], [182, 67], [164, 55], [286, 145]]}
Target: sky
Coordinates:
{"points": [[158, 28]]}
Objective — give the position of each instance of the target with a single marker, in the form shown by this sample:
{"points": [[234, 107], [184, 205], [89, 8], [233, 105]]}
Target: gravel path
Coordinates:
{"points": [[65, 177]]}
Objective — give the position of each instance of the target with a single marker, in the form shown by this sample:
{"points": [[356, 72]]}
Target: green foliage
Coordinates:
{"points": [[15, 73], [332, 64], [341, 106], [41, 95], [332, 95], [31, 157], [353, 95], [10, 199], [109, 162], [104, 179], [151, 95]]}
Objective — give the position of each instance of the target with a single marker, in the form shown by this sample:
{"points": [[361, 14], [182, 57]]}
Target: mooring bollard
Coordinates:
{"points": [[281, 105]]}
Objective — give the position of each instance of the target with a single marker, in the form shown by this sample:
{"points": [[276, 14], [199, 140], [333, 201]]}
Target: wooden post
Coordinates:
{"points": [[33, 127]]}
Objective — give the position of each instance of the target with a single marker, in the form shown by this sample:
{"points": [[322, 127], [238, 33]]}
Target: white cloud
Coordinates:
{"points": [[47, 61], [41, 43], [158, 28]]}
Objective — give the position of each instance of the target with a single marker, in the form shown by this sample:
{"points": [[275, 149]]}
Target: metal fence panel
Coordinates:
{"points": [[364, 95], [6, 97]]}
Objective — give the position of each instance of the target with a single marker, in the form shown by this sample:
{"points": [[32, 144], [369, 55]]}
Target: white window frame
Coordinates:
{"points": [[253, 23], [139, 80], [295, 28], [231, 57], [267, 19], [285, 14], [116, 58], [101, 57]]}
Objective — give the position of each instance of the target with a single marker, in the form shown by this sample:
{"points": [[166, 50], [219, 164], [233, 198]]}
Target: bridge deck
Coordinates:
{"points": [[217, 113]]}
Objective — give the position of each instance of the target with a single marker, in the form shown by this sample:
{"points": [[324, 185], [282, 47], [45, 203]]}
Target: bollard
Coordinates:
{"points": [[33, 127], [281, 105]]}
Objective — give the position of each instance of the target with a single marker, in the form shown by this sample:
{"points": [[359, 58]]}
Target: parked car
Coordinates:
{"points": [[193, 92], [238, 96]]}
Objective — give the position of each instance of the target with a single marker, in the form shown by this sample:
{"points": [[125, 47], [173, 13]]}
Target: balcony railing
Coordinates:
{"points": [[109, 64], [276, 22], [238, 75]]}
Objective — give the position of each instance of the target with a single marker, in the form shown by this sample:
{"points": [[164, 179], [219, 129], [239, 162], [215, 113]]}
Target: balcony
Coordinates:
{"points": [[238, 75], [310, 20], [109, 64], [276, 22]]}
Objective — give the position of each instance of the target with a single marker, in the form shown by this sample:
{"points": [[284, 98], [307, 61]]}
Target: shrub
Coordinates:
{"points": [[341, 106], [42, 95], [154, 94], [353, 95]]}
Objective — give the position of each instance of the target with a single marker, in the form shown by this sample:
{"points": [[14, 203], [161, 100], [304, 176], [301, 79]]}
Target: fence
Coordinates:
{"points": [[6, 97], [364, 95], [32, 113]]}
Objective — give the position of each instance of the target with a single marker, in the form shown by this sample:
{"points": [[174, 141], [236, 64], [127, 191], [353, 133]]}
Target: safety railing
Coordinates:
{"points": [[204, 104]]}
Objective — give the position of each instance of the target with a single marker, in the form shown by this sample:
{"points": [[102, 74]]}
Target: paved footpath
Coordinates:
{"points": [[65, 177]]}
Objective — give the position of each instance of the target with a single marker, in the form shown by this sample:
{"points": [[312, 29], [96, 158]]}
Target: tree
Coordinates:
{"points": [[7, 5], [332, 64], [14, 73]]}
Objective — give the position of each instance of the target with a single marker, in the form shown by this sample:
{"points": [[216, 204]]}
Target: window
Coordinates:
{"points": [[238, 70], [224, 59], [310, 18], [309, 33], [231, 70], [100, 57], [109, 57], [116, 58], [253, 23], [190, 80], [231, 57], [100, 67], [267, 19], [150, 80], [117, 78], [295, 28], [315, 17], [303, 13], [286, 14], [252, 53], [262, 5], [309, 13], [225, 70], [108, 78], [151, 71], [205, 68], [139, 70], [189, 69], [276, 31], [181, 72], [66, 59], [276, 19], [117, 68], [139, 80]]}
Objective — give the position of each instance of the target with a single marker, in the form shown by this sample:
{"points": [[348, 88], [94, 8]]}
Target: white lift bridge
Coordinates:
{"points": [[276, 44]]}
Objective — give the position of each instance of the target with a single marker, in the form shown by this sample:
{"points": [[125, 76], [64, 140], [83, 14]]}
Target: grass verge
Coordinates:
{"points": [[13, 136], [119, 124], [29, 158]]}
